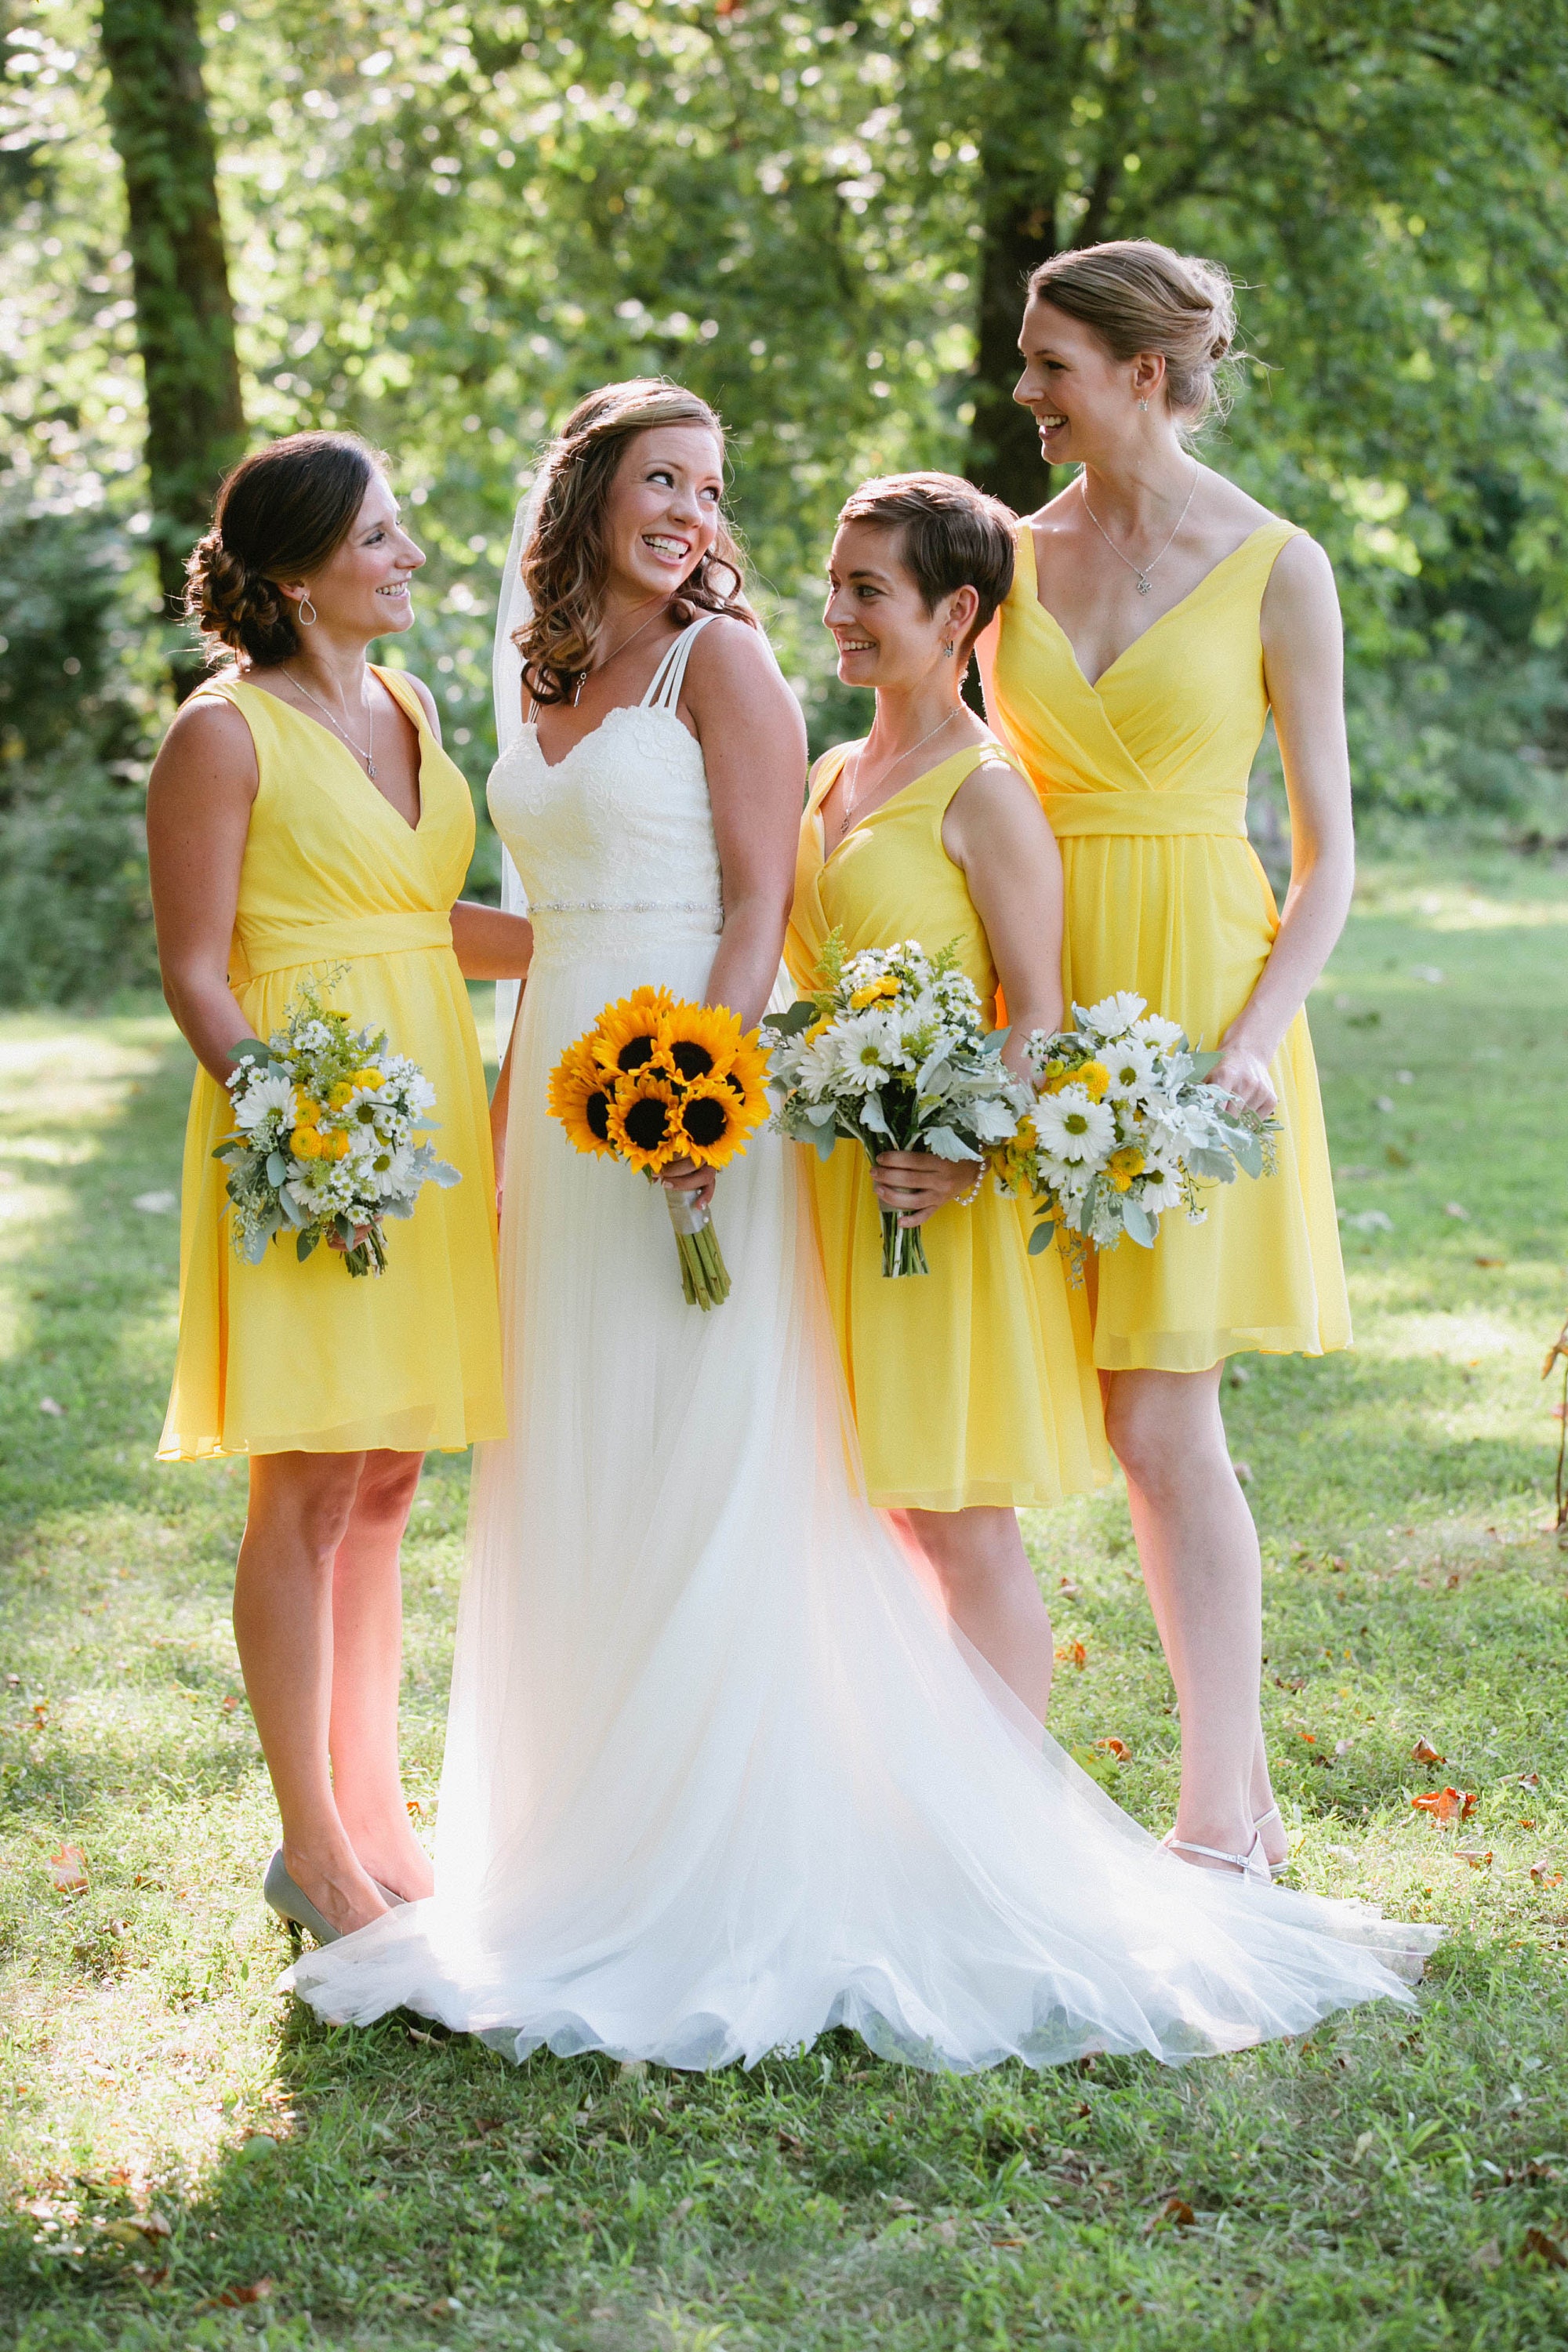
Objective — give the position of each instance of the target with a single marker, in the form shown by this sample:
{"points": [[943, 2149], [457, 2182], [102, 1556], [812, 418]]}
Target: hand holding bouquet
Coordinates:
{"points": [[656, 1081], [1124, 1129], [889, 1052], [327, 1142]]}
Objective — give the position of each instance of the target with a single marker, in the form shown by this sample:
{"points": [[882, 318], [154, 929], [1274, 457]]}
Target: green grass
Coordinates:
{"points": [[1374, 2186]]}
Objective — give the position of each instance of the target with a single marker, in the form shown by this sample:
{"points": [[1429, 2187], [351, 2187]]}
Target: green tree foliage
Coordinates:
{"points": [[445, 223]]}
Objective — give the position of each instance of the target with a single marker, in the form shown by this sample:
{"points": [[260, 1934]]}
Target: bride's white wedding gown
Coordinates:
{"points": [[717, 1776]]}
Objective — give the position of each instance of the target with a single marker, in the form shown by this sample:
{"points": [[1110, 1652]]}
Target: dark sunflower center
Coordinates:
{"points": [[648, 1122], [693, 1061], [596, 1111], [634, 1053], [706, 1121]]}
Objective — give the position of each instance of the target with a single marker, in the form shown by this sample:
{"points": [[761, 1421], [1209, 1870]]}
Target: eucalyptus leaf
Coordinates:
{"points": [[277, 1168], [1138, 1224], [304, 1244], [943, 1144], [1217, 1167], [800, 1015]]}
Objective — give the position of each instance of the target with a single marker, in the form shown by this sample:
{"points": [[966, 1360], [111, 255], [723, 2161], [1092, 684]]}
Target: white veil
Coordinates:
{"points": [[514, 606]]}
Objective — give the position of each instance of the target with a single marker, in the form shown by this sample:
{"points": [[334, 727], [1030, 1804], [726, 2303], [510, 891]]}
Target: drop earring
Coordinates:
{"points": [[947, 646], [307, 620], [1143, 404]]}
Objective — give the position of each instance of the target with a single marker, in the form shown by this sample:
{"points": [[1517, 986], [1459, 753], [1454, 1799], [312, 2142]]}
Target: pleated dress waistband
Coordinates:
{"points": [[1079, 815]]}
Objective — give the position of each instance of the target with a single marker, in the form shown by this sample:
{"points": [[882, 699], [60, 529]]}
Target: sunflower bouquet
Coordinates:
{"points": [[656, 1080], [889, 1052], [1124, 1127], [327, 1140]]}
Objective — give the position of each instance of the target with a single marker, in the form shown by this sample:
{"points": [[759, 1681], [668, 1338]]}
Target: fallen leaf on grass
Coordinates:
{"points": [[1116, 1747], [1529, 1779], [1341, 1748], [1290, 1682], [446, 2306], [1424, 1753], [234, 2298], [1445, 1805], [68, 1870], [1454, 1209], [1337, 1563], [1487, 2257], [1474, 1856], [40, 1715], [790, 2145], [1549, 2249], [1068, 1588], [56, 1412], [1176, 2213], [1073, 1651], [1543, 1874], [1490, 1261]]}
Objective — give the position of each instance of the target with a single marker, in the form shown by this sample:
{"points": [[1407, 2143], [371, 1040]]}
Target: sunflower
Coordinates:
{"points": [[627, 1035], [580, 1097], [643, 1123], [715, 1121], [747, 1076], [702, 1040]]}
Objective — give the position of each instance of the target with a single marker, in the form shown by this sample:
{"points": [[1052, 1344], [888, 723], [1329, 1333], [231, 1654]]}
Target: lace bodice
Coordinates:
{"points": [[614, 842]]}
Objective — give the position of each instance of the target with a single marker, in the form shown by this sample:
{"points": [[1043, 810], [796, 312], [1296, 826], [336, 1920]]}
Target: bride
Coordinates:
{"points": [[719, 1774]]}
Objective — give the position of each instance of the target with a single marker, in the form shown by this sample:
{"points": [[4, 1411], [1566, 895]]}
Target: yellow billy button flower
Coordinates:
{"points": [[1123, 1165], [335, 1145], [643, 1123], [367, 1081], [1094, 1077], [308, 1114]]}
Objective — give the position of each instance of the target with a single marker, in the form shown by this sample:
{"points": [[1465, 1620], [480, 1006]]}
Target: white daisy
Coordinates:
{"points": [[1133, 1070], [1072, 1126], [1157, 1031], [262, 1096], [870, 1048], [1114, 1015]]}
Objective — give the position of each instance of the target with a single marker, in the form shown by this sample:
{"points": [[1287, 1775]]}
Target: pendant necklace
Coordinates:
{"points": [[584, 675], [368, 757], [851, 783], [1141, 571]]}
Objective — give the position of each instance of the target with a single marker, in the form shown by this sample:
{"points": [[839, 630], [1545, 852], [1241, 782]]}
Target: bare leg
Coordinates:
{"points": [[1201, 1565], [367, 1670], [991, 1593], [300, 1505]]}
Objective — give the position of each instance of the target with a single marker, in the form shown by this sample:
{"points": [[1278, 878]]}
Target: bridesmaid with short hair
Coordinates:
{"points": [[1158, 615], [303, 815]]}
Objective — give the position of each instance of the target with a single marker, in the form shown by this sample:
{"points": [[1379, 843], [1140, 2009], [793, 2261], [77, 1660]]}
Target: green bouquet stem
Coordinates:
{"points": [[903, 1249], [704, 1276]]}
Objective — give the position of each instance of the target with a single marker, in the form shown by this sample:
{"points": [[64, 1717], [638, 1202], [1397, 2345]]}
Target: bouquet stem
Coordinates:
{"points": [[704, 1276], [903, 1249]]}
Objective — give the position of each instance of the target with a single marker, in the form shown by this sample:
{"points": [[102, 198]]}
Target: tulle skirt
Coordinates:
{"points": [[718, 1774]]}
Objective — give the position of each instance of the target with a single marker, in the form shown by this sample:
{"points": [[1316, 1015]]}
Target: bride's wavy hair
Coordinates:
{"points": [[566, 564]]}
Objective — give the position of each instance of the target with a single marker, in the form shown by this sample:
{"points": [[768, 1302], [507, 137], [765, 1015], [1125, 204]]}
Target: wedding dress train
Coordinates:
{"points": [[717, 1775]]}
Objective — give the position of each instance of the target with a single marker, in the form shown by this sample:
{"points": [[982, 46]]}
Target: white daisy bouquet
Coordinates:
{"points": [[889, 1052], [1124, 1127], [327, 1137]]}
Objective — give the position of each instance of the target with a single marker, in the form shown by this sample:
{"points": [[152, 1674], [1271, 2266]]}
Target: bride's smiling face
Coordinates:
{"points": [[662, 514]]}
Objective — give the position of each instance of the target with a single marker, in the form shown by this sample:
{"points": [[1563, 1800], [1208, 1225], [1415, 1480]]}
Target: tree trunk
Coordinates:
{"points": [[1003, 444], [185, 319]]}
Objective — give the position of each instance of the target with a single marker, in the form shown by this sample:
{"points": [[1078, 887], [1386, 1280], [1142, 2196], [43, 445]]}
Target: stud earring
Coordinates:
{"points": [[1143, 404], [947, 646], [307, 620]]}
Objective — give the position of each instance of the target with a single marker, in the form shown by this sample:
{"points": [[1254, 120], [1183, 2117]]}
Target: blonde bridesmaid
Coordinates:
{"points": [[971, 1385], [302, 814], [1157, 617]]}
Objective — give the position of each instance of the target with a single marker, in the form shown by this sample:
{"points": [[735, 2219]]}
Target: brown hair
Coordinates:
{"points": [[566, 562], [280, 514], [950, 536], [1138, 297]]}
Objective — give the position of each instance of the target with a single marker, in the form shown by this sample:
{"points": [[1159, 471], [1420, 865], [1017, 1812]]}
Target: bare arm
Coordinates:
{"points": [[753, 747], [996, 831], [1303, 663], [199, 800], [489, 945]]}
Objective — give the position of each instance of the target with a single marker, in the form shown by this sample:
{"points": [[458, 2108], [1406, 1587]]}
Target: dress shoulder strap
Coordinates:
{"points": [[403, 694], [664, 686]]}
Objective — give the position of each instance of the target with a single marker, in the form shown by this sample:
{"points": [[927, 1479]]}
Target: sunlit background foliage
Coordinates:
{"points": [[442, 223]]}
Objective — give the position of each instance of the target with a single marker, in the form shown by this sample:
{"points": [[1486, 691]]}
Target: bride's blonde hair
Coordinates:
{"points": [[566, 562]]}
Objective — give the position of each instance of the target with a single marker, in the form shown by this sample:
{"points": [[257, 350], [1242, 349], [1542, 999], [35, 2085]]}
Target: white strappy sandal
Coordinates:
{"points": [[1252, 1864], [1276, 1869]]}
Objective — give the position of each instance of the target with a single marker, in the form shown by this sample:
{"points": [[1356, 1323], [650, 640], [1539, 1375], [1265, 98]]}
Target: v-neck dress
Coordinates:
{"points": [[283, 1358], [1143, 777], [970, 1384]]}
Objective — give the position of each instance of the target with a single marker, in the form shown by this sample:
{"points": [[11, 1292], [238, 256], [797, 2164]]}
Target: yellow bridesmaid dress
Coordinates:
{"points": [[1143, 777], [282, 1358], [972, 1384]]}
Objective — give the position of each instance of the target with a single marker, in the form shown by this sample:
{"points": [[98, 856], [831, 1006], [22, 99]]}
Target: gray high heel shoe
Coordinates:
{"points": [[295, 1909]]}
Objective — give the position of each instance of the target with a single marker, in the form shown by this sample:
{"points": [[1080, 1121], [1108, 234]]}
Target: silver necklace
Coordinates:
{"points": [[368, 757], [1141, 571], [851, 792], [584, 675]]}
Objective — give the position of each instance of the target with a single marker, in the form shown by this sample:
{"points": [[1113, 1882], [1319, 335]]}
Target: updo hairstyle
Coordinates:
{"points": [[950, 536], [566, 562], [1137, 297], [280, 515]]}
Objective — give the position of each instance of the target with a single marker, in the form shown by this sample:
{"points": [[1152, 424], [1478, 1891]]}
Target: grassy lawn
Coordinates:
{"points": [[190, 2161]]}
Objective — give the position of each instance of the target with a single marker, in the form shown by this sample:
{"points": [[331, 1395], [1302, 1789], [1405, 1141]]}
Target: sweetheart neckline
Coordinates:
{"points": [[649, 709]]}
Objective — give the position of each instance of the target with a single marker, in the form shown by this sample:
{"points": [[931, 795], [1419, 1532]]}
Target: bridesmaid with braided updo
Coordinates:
{"points": [[303, 815]]}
